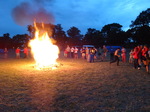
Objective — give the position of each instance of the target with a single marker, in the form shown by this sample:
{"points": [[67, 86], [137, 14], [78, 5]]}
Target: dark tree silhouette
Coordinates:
{"points": [[93, 37], [59, 35], [110, 34], [113, 34], [140, 28], [5, 41], [20, 40], [74, 36], [142, 35], [142, 19]]}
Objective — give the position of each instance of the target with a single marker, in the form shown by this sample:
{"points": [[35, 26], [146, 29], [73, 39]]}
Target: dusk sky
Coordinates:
{"points": [[15, 15]]}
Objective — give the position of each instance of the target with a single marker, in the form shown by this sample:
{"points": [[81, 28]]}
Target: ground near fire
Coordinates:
{"points": [[76, 86]]}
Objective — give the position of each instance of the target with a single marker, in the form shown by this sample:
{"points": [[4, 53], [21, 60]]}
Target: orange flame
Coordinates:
{"points": [[43, 50]]}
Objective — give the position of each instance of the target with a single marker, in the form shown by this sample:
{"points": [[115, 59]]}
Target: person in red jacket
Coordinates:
{"points": [[135, 57], [17, 53], [25, 51]]}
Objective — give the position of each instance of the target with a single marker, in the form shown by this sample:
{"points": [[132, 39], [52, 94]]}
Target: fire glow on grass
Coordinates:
{"points": [[44, 52]]}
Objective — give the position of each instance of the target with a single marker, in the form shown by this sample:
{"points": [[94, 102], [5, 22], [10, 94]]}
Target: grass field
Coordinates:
{"points": [[76, 86]]}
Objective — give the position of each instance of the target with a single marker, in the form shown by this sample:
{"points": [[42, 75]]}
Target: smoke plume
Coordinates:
{"points": [[26, 13]]}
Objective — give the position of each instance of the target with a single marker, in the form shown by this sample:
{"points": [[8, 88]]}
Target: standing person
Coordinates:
{"points": [[148, 60], [83, 53], [95, 53], [5, 53], [131, 56], [149, 52], [116, 57], [123, 51], [76, 53], [104, 54], [92, 54], [87, 53], [144, 51], [25, 51], [140, 47], [68, 51], [72, 52], [145, 57], [135, 57], [17, 53], [65, 53]]}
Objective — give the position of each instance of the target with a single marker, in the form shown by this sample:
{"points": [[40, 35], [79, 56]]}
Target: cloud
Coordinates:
{"points": [[97, 13]]}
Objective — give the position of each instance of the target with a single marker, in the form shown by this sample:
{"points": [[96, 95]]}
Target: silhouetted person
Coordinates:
{"points": [[5, 53], [25, 51], [17, 53], [116, 57]]}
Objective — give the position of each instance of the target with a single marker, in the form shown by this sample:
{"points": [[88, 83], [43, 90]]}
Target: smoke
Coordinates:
{"points": [[25, 13], [42, 1]]}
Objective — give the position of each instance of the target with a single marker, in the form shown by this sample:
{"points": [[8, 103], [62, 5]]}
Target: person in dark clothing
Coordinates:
{"points": [[116, 57]]}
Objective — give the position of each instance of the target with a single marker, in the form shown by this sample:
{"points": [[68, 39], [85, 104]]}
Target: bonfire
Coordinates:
{"points": [[45, 53]]}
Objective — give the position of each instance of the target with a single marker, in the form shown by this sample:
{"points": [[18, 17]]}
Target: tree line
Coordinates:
{"points": [[110, 34]]}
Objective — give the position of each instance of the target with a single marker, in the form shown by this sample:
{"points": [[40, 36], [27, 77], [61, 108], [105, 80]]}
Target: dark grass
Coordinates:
{"points": [[76, 86]]}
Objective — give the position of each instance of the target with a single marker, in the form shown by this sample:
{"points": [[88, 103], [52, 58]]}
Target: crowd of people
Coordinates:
{"points": [[88, 53], [17, 51], [138, 57], [25, 51]]}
